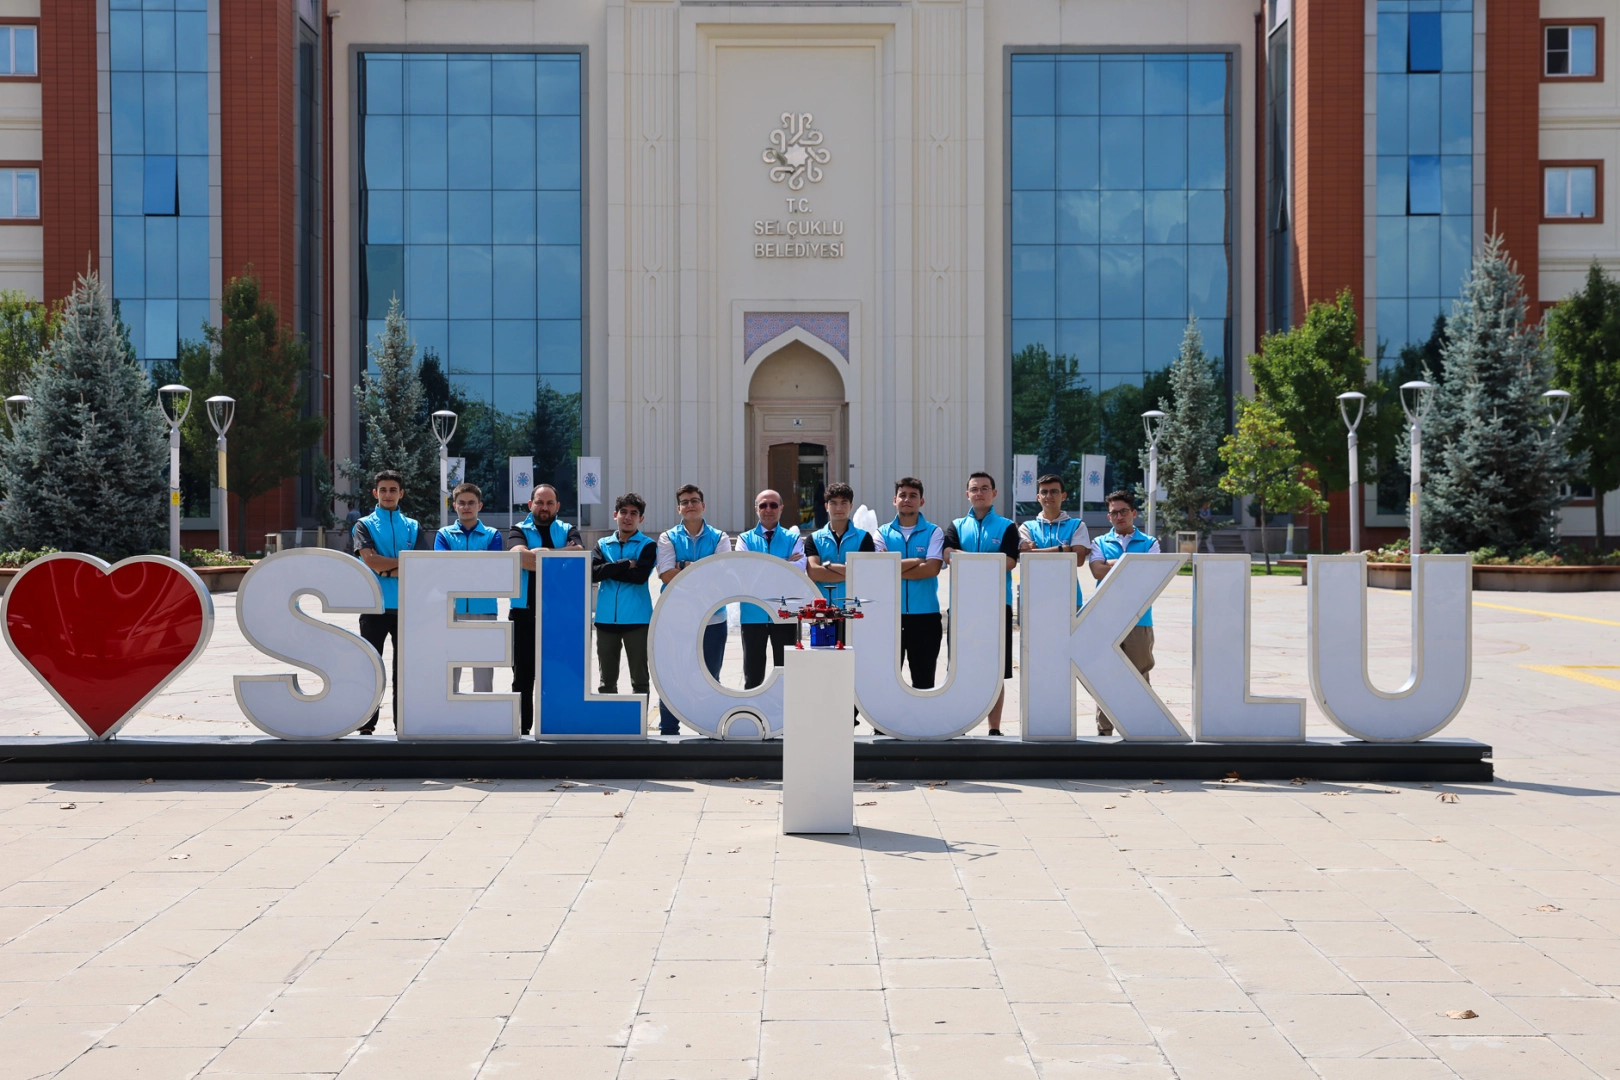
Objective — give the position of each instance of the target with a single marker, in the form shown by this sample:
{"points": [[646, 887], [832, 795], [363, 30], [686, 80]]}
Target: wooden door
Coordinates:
{"points": [[782, 468]]}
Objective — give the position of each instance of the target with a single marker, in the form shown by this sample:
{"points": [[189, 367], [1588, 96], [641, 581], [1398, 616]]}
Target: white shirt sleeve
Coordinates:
{"points": [[1023, 533], [877, 541], [666, 554], [725, 543], [1096, 554], [797, 556], [1082, 537], [1154, 548], [936, 545]]}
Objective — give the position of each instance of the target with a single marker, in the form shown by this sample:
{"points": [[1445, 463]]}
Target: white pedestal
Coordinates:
{"points": [[818, 741]]}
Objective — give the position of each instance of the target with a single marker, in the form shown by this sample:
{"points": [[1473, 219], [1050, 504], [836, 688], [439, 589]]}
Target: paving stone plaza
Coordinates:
{"points": [[455, 927]]}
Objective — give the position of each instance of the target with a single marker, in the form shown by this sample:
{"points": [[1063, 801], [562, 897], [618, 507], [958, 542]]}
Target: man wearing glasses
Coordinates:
{"points": [[467, 533], [770, 537], [678, 548], [1108, 549]]}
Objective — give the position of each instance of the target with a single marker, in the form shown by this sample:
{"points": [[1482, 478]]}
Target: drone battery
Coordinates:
{"points": [[823, 635]]}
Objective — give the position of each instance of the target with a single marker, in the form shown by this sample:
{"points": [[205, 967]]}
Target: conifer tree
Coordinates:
{"points": [[1190, 439], [87, 467], [1494, 469], [396, 433]]}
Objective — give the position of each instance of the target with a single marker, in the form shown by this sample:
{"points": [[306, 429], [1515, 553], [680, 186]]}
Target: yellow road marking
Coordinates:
{"points": [[1574, 671], [1548, 614]]}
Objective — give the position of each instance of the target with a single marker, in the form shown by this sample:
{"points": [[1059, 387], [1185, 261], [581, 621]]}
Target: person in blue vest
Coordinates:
{"points": [[468, 533], [379, 537], [921, 547], [541, 529], [621, 566], [769, 537], [1053, 530], [1108, 549], [984, 530], [680, 547], [832, 543]]}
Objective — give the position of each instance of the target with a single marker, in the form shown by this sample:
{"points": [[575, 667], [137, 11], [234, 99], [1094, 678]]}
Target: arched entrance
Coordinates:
{"points": [[798, 430]]}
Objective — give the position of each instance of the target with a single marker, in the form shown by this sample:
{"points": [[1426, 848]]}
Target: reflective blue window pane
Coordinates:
{"points": [[1164, 145], [1582, 50], [559, 345], [385, 87], [1423, 256], [426, 294], [162, 330], [1121, 347], [1077, 281], [426, 151], [1456, 185], [1422, 185], [557, 293], [129, 257], [191, 112], [382, 154], [427, 218], [1164, 85], [514, 152], [193, 186], [385, 217], [1077, 217], [1391, 264], [1033, 270], [516, 393], [1391, 118], [1206, 152], [1121, 214], [470, 220], [1392, 184], [1206, 217], [1206, 86], [425, 85], [1164, 281], [1033, 217], [1164, 217], [1034, 85], [193, 315], [1456, 113], [1456, 253], [1120, 79], [514, 349], [1120, 272], [1423, 114], [470, 152], [1077, 85], [1457, 41], [1391, 43], [468, 80], [1206, 280], [191, 41], [512, 85], [471, 283], [1077, 164], [158, 112], [557, 86], [1423, 47], [1120, 146], [471, 346], [515, 281], [124, 40], [132, 313], [1029, 332], [1032, 152], [558, 153], [157, 41], [558, 221], [431, 334], [514, 217], [128, 170], [383, 278], [162, 257], [193, 260], [1161, 342], [1079, 338]]}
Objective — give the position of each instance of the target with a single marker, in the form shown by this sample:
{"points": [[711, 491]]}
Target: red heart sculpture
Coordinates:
{"points": [[104, 639]]}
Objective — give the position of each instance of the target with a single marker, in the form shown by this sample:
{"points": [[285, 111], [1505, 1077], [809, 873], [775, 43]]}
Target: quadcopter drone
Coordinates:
{"points": [[823, 616]]}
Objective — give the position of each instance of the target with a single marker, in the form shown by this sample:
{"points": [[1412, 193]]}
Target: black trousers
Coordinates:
{"points": [[523, 663], [376, 629], [609, 638], [920, 638], [754, 636]]}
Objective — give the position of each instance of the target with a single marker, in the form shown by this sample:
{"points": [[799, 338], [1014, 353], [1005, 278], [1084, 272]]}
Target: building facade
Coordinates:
{"points": [[749, 244]]}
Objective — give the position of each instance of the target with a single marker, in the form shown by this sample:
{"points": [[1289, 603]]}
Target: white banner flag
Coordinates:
{"points": [[590, 481], [521, 471], [1024, 471], [1094, 468]]}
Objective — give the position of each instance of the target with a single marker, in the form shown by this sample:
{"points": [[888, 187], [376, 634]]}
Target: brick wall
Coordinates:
{"points": [[1513, 133], [70, 200]]}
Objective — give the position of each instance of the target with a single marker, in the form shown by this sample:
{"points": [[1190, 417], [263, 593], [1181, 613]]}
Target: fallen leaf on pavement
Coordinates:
{"points": [[1448, 796], [1437, 839], [619, 814], [1461, 1014], [68, 806], [872, 803], [1548, 907], [180, 855]]}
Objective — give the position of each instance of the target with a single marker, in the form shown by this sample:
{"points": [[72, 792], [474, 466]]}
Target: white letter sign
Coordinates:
{"points": [[431, 643], [1223, 708]]}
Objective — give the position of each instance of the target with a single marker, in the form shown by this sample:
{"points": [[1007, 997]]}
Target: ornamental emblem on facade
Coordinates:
{"points": [[796, 154]]}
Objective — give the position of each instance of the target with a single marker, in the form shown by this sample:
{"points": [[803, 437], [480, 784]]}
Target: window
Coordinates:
{"points": [[1422, 185], [19, 193], [1572, 191], [1423, 51], [19, 50], [1572, 50]]}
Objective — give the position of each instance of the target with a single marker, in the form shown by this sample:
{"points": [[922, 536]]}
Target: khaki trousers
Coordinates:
{"points": [[1138, 648]]}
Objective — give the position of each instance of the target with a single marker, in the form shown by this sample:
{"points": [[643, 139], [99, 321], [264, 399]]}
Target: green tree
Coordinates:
{"points": [[1263, 463], [1386, 420], [1190, 438], [25, 331], [1122, 437], [1054, 411], [1302, 372], [1584, 333], [1493, 471], [395, 434], [87, 467], [1052, 455]]}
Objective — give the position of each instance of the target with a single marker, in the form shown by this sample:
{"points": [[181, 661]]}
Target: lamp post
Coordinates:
{"points": [[221, 411], [166, 399], [1557, 402], [444, 428], [1152, 423], [1416, 409], [1355, 461], [15, 404]]}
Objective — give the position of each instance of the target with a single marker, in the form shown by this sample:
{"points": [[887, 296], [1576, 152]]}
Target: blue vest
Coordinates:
{"points": [[531, 532], [689, 548], [391, 533], [919, 597], [975, 535], [781, 545], [831, 549], [1046, 534], [622, 601], [456, 539], [1112, 547]]}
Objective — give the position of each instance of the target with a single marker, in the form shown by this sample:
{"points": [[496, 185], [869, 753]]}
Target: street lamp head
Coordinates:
{"points": [[1345, 399], [1557, 402], [221, 411], [1422, 399], [1151, 423], [166, 400], [444, 426], [14, 408]]}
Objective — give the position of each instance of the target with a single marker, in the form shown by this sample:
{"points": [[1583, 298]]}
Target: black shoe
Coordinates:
{"points": [[367, 731], [995, 731]]}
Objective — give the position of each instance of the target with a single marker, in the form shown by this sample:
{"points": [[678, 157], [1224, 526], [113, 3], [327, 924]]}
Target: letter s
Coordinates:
{"points": [[267, 613]]}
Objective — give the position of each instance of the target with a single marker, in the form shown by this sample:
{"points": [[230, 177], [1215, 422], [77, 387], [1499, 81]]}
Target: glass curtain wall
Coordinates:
{"points": [[1119, 232], [471, 215], [158, 84]]}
